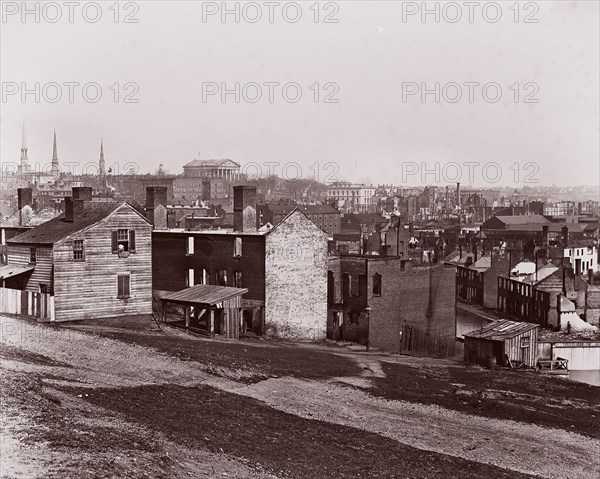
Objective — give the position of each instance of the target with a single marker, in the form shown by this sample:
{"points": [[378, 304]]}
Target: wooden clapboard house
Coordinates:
{"points": [[95, 260]]}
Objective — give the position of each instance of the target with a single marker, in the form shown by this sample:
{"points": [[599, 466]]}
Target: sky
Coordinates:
{"points": [[348, 89]]}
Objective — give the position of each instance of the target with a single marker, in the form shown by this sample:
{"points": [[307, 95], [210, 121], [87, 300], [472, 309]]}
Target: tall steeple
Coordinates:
{"points": [[24, 160], [101, 163], [55, 169]]}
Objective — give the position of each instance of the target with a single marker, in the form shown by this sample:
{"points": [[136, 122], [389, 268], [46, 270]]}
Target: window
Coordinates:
{"points": [[123, 240], [237, 247], [78, 253], [33, 255], [237, 279], [123, 285], [222, 277], [376, 284], [203, 276], [190, 245], [189, 281]]}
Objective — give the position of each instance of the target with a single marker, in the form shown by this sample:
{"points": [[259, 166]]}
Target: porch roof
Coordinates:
{"points": [[11, 270], [203, 294]]}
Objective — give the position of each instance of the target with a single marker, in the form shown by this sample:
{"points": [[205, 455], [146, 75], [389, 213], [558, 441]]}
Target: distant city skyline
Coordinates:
{"points": [[375, 62]]}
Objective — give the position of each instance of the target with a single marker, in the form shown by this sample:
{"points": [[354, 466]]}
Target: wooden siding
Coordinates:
{"points": [[88, 289], [42, 274], [27, 303], [478, 350]]}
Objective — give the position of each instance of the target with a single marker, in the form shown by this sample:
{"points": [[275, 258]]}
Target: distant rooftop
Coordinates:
{"points": [[211, 163]]}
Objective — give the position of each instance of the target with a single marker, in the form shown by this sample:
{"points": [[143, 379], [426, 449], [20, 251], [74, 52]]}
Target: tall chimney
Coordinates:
{"points": [[82, 193], [565, 235], [24, 197], [546, 236], [244, 209], [591, 277], [155, 196], [68, 208], [577, 266]]}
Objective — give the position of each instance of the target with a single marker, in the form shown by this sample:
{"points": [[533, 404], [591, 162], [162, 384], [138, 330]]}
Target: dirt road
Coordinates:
{"points": [[81, 405]]}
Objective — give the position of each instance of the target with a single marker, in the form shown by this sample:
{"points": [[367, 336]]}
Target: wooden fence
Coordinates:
{"points": [[27, 303], [417, 342]]}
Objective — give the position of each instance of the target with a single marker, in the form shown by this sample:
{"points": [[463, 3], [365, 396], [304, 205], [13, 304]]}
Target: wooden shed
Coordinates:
{"points": [[208, 308], [502, 341]]}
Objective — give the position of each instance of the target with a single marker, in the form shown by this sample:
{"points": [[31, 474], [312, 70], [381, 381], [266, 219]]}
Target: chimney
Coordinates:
{"points": [[545, 235], [68, 208], [591, 277], [83, 193], [25, 197], [244, 209], [577, 266], [565, 235], [155, 196], [475, 253]]}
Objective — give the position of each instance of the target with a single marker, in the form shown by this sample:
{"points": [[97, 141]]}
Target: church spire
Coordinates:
{"points": [[54, 170], [101, 163], [24, 158]]}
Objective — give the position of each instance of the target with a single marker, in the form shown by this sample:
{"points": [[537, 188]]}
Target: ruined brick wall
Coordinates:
{"points": [[296, 280], [385, 318], [414, 290]]}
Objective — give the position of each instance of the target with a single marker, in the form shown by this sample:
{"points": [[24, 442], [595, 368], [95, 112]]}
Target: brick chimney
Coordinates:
{"points": [[81, 194], [577, 266], [546, 236], [565, 235], [68, 208], [244, 209], [155, 196], [24, 198]]}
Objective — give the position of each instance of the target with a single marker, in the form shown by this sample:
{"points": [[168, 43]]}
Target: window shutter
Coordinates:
{"points": [[127, 285], [132, 241], [115, 244]]}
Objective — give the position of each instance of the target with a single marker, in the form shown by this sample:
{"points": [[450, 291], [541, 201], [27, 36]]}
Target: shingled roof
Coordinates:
{"points": [[56, 229]]}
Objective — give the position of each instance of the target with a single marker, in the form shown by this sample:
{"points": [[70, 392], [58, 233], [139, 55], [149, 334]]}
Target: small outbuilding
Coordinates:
{"points": [[504, 342]]}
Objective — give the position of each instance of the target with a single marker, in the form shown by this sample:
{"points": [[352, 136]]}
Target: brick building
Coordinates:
{"points": [[325, 217], [283, 269], [396, 293]]}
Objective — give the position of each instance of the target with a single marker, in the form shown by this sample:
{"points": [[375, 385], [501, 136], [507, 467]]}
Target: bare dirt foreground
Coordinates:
{"points": [[114, 403]]}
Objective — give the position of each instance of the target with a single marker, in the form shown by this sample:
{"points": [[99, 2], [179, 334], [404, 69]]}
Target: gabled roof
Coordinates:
{"points": [[502, 330], [296, 209], [57, 228], [482, 264]]}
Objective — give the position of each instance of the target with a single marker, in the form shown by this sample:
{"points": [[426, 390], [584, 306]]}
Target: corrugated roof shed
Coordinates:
{"points": [[502, 330]]}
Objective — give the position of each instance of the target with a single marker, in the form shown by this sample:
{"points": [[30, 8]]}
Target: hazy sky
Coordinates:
{"points": [[368, 59]]}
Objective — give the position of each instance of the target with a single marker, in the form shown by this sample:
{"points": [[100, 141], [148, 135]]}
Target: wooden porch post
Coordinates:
{"points": [[164, 311], [187, 317], [212, 323]]}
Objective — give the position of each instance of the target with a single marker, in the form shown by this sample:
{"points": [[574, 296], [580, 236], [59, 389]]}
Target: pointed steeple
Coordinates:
{"points": [[101, 163], [55, 169], [24, 159]]}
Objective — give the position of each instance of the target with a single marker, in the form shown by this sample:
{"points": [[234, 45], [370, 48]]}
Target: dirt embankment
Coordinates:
{"points": [[167, 405]]}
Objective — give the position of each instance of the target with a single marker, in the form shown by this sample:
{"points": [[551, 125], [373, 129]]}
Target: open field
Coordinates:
{"points": [[143, 403]]}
